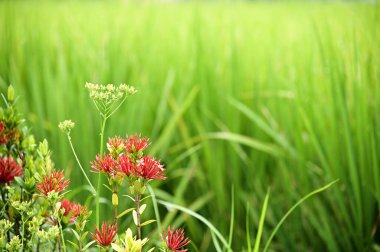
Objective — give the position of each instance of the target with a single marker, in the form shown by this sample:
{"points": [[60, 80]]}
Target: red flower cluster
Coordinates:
{"points": [[66, 204], [175, 239], [131, 163], [107, 164], [116, 142], [72, 209], [125, 165], [136, 143], [105, 236], [53, 182], [149, 168], [9, 169]]}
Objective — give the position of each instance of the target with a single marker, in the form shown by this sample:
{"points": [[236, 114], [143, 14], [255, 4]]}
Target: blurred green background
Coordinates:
{"points": [[243, 95]]}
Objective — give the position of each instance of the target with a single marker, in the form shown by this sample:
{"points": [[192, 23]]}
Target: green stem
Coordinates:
{"points": [[80, 241], [118, 106], [99, 175], [155, 207], [62, 238], [138, 224], [23, 230], [81, 167]]}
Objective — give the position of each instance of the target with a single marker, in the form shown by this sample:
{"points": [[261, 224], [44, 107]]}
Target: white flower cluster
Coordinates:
{"points": [[109, 93], [66, 126]]}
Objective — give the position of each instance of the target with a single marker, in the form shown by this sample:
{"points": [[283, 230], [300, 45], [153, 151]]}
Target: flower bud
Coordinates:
{"points": [[11, 93], [115, 199]]}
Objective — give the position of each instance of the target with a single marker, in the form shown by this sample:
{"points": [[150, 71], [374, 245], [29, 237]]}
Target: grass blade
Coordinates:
{"points": [[199, 217], [292, 209], [261, 225]]}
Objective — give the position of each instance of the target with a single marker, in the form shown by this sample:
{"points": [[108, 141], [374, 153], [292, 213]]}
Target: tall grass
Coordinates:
{"points": [[231, 95]]}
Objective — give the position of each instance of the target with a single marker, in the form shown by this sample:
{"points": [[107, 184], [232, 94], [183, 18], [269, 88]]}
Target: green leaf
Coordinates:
{"points": [[134, 214], [147, 222], [292, 209], [248, 236], [248, 141], [76, 234], [74, 245], [88, 245], [106, 186], [232, 216], [126, 195], [147, 197], [199, 217], [84, 236], [20, 181], [125, 212], [261, 224], [142, 208], [216, 243]]}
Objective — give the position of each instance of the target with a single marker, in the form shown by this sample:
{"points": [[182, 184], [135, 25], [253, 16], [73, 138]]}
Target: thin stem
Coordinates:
{"points": [[80, 240], [138, 224], [115, 207], [23, 230], [38, 245], [81, 167], [62, 238], [118, 106], [99, 175], [156, 212]]}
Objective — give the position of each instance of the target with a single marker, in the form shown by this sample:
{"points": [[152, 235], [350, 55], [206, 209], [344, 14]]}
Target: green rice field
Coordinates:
{"points": [[236, 97]]}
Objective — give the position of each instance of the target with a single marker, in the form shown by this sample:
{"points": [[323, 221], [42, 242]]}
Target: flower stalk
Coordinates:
{"points": [[103, 126], [138, 216], [66, 127]]}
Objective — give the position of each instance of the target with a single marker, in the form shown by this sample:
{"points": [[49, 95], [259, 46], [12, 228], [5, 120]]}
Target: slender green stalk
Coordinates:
{"points": [[104, 120], [261, 225], [199, 217], [138, 224], [61, 232], [81, 167], [155, 207], [292, 209], [232, 218], [23, 230], [248, 236]]}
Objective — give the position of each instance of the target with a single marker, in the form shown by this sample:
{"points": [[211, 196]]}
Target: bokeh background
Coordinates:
{"points": [[236, 97]]}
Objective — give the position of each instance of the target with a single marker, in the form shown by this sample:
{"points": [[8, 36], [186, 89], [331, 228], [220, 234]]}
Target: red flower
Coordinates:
{"points": [[175, 240], [107, 164], [72, 209], [9, 169], [136, 143], [53, 182], [77, 210], [115, 142], [125, 165], [66, 204], [149, 168], [105, 236]]}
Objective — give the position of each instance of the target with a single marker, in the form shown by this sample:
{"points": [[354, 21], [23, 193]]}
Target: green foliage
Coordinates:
{"points": [[250, 95]]}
